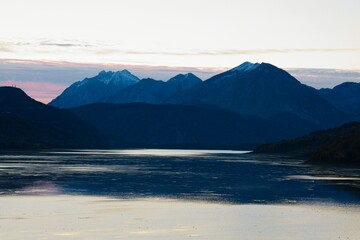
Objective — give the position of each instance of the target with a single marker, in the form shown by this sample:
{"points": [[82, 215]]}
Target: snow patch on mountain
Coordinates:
{"points": [[246, 67]]}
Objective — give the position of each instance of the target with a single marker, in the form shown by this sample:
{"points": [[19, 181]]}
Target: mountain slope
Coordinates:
{"points": [[306, 145], [155, 125], [95, 89], [20, 133], [262, 90], [59, 127], [343, 151], [345, 97], [146, 91]]}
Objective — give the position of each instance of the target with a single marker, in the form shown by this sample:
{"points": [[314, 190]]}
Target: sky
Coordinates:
{"points": [[45, 45]]}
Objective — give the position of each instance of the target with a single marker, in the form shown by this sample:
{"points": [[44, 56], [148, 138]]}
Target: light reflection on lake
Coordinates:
{"points": [[151, 152], [174, 194], [212, 175]]}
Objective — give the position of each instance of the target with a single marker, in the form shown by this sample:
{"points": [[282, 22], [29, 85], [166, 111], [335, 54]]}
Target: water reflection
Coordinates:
{"points": [[326, 178], [151, 152], [40, 188], [228, 176]]}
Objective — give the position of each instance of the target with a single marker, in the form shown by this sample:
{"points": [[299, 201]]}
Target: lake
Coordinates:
{"points": [[174, 194]]}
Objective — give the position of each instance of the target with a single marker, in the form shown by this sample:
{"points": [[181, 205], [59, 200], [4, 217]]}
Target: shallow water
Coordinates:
{"points": [[87, 217], [174, 194]]}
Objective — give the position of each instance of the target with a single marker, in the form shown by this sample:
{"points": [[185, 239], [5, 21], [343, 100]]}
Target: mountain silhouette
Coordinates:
{"points": [[28, 123]]}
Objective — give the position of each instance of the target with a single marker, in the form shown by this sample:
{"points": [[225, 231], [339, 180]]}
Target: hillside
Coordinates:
{"points": [[339, 146], [345, 151], [27, 121]]}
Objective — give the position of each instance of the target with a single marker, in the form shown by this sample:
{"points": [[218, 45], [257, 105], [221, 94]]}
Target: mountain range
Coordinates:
{"points": [[243, 107], [26, 123], [259, 89]]}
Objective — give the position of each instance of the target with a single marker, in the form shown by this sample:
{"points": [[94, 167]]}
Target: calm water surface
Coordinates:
{"points": [[174, 194]]}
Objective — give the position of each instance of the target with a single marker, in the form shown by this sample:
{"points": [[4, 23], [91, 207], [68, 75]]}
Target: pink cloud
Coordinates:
{"points": [[40, 91]]}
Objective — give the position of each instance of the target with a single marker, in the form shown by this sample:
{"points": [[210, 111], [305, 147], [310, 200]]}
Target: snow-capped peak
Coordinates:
{"points": [[121, 77], [246, 67]]}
